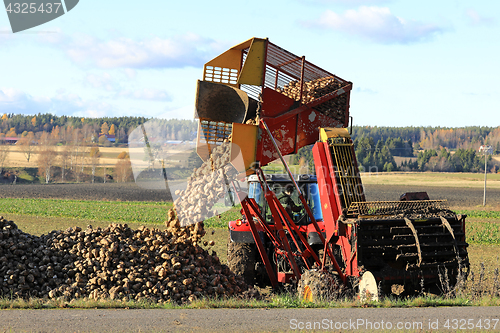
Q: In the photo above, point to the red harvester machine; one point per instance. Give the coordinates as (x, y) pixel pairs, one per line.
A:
(270, 103)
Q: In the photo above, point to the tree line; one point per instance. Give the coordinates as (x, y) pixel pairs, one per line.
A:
(67, 148)
(77, 160)
(434, 137)
(426, 149)
(18, 126)
(421, 148)
(462, 160)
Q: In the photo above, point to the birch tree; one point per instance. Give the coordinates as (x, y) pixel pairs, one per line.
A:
(4, 153)
(95, 156)
(46, 157)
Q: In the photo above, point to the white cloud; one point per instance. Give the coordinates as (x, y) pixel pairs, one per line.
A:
(156, 52)
(377, 24)
(9, 95)
(104, 81)
(5, 35)
(130, 73)
(476, 19)
(52, 37)
(147, 94)
(14, 101)
(183, 112)
(17, 101)
(101, 81)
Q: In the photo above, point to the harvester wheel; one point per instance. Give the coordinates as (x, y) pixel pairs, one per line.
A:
(316, 285)
(368, 289)
(241, 260)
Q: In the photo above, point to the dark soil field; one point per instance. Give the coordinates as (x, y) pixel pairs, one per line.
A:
(105, 192)
(457, 197)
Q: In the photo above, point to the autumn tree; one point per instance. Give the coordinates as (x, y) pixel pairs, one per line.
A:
(11, 132)
(66, 134)
(28, 145)
(95, 156)
(46, 157)
(65, 160)
(105, 128)
(123, 155)
(103, 141)
(121, 136)
(112, 130)
(123, 168)
(77, 153)
(55, 133)
(4, 153)
(87, 133)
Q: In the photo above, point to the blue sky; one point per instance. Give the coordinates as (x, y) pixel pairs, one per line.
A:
(412, 63)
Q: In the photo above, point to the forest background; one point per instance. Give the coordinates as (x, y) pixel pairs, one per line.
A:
(70, 149)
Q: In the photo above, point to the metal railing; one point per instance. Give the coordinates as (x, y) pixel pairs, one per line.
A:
(391, 208)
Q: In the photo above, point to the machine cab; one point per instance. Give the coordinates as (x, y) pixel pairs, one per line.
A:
(278, 183)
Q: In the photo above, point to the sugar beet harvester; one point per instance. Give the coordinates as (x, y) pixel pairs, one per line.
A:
(269, 103)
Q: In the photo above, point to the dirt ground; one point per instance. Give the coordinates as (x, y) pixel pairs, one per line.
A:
(106, 192)
(457, 197)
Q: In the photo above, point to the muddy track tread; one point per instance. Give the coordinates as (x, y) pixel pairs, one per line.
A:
(241, 259)
(323, 285)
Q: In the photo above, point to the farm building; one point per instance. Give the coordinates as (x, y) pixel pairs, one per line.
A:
(9, 140)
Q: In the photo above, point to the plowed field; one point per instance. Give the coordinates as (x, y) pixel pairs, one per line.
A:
(457, 197)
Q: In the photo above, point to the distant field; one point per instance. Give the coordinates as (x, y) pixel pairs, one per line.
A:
(443, 179)
(17, 159)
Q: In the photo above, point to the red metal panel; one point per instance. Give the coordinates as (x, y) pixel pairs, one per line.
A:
(290, 132)
(272, 201)
(349, 254)
(284, 133)
(285, 277)
(309, 122)
(258, 242)
(275, 103)
(329, 196)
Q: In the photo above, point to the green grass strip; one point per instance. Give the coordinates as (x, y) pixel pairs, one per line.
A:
(482, 232)
(287, 301)
(156, 212)
(480, 214)
(105, 211)
(112, 211)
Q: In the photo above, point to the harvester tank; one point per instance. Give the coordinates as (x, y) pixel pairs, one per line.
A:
(257, 81)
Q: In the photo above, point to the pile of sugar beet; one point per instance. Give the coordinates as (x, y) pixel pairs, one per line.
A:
(120, 263)
(115, 262)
